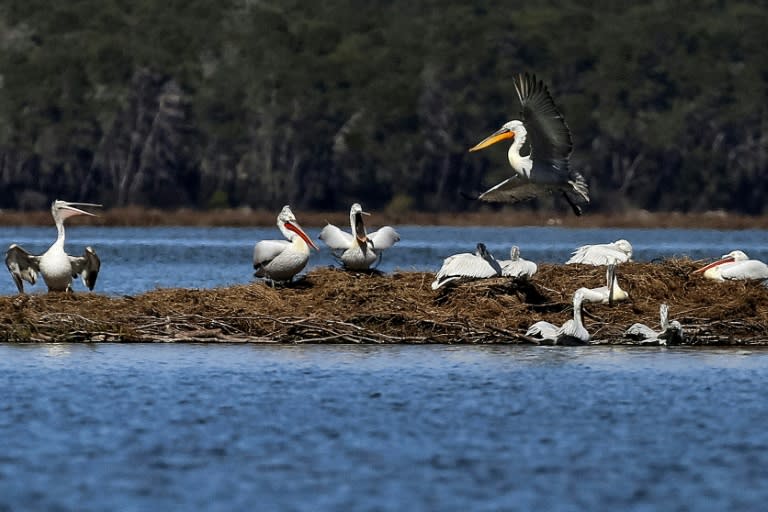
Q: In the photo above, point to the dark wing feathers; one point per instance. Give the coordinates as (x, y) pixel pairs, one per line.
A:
(512, 190)
(548, 134)
(86, 266)
(22, 265)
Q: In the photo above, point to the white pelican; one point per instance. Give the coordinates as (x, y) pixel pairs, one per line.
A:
(671, 332)
(571, 331)
(359, 250)
(607, 294)
(280, 260)
(617, 252)
(480, 265)
(545, 167)
(735, 265)
(57, 267)
(516, 266)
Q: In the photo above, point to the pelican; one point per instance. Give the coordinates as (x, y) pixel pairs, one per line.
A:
(607, 294)
(480, 265)
(280, 260)
(671, 332)
(545, 168)
(359, 250)
(516, 266)
(735, 265)
(617, 252)
(56, 266)
(571, 331)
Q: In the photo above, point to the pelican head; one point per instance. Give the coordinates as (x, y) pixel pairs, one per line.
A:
(624, 246)
(514, 253)
(63, 209)
(510, 130)
(286, 223)
(725, 258)
(356, 223)
(482, 251)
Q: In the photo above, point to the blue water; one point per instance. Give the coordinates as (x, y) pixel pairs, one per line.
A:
(243, 427)
(135, 260)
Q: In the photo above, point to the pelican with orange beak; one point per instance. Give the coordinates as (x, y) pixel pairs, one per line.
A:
(734, 266)
(545, 138)
(280, 260)
(359, 250)
(56, 266)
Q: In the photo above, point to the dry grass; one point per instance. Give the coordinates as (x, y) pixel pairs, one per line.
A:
(333, 306)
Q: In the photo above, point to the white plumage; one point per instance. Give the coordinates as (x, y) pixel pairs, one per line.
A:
(280, 260)
(516, 266)
(571, 331)
(735, 265)
(617, 252)
(479, 265)
(671, 332)
(359, 250)
(607, 294)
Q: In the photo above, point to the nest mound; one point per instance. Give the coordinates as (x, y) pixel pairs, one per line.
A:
(333, 306)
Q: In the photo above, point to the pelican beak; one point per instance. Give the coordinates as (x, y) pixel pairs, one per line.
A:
(297, 229)
(500, 135)
(71, 209)
(727, 259)
(360, 228)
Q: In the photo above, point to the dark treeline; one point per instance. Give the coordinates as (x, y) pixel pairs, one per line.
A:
(319, 104)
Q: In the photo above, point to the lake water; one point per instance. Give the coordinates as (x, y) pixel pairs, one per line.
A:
(244, 427)
(135, 260)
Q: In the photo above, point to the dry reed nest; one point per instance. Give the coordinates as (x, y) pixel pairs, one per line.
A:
(334, 306)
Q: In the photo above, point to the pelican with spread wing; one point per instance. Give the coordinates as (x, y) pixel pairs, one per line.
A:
(545, 139)
(735, 266)
(280, 260)
(466, 266)
(359, 250)
(56, 266)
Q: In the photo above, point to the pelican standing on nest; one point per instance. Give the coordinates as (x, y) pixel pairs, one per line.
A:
(480, 265)
(516, 266)
(546, 139)
(614, 253)
(56, 266)
(280, 260)
(359, 250)
(671, 332)
(572, 331)
(735, 265)
(607, 294)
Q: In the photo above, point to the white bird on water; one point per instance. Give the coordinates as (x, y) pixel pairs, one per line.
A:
(56, 266)
(359, 250)
(617, 252)
(671, 332)
(516, 266)
(607, 294)
(480, 265)
(572, 331)
(546, 139)
(735, 265)
(280, 260)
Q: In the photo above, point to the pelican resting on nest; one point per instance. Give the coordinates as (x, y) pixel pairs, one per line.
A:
(280, 260)
(56, 266)
(607, 294)
(617, 252)
(466, 266)
(516, 266)
(671, 332)
(359, 250)
(571, 332)
(545, 139)
(735, 265)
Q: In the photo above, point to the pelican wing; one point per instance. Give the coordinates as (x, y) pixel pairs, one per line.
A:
(86, 266)
(543, 330)
(640, 332)
(548, 134)
(518, 269)
(22, 265)
(750, 269)
(335, 238)
(464, 265)
(267, 250)
(598, 255)
(512, 190)
(383, 238)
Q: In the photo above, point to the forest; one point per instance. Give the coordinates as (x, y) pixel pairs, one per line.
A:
(261, 103)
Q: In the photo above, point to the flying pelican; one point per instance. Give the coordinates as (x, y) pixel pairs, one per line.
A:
(571, 331)
(57, 267)
(280, 260)
(671, 332)
(359, 250)
(516, 266)
(545, 168)
(607, 294)
(735, 265)
(617, 252)
(480, 265)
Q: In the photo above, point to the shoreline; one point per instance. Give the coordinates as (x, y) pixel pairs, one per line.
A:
(334, 306)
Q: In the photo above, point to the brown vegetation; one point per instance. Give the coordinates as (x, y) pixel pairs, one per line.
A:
(333, 306)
